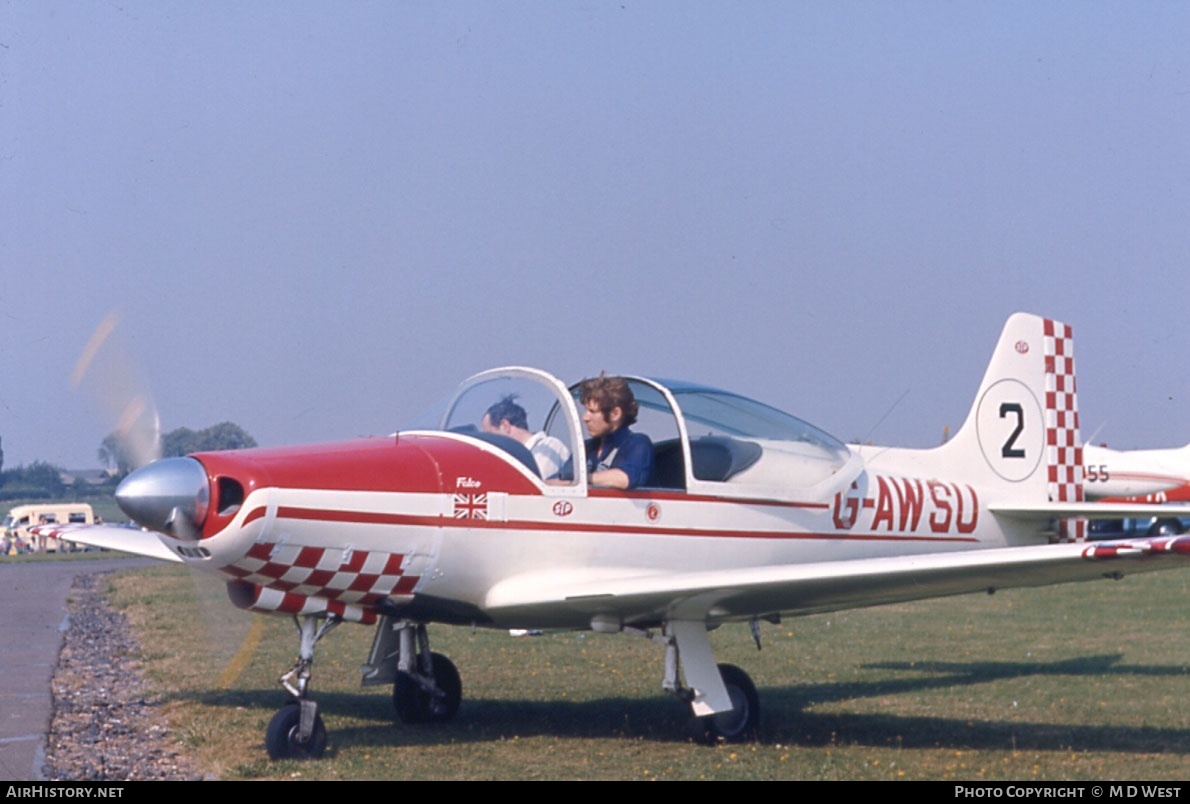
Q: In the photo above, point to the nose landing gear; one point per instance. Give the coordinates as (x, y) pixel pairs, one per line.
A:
(286, 738)
(297, 730)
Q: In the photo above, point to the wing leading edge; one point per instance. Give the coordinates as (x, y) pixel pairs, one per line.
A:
(112, 537)
(1090, 510)
(798, 589)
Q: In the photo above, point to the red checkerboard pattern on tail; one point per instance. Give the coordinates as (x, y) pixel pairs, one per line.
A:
(1064, 453)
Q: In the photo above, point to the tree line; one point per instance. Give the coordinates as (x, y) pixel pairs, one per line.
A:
(181, 441)
(43, 480)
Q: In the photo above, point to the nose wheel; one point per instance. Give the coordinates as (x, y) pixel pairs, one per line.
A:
(285, 738)
(297, 730)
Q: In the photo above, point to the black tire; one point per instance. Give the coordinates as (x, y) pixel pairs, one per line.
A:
(281, 738)
(415, 705)
(742, 722)
(1167, 526)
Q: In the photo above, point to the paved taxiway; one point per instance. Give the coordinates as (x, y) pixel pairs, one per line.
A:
(33, 618)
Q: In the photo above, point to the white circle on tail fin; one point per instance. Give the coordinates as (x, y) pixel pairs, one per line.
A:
(1011, 430)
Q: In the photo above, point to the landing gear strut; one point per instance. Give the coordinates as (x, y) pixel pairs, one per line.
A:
(297, 731)
(428, 697)
(426, 685)
(722, 697)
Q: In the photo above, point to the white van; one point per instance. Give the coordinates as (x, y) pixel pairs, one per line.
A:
(23, 517)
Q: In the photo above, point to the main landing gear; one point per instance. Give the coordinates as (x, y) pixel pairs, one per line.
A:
(737, 725)
(721, 696)
(297, 731)
(426, 685)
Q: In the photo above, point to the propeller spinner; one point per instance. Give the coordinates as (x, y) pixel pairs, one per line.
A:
(171, 496)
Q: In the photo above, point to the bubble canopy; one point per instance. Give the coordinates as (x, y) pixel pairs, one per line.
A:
(704, 439)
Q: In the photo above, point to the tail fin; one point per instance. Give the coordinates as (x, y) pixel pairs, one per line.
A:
(1025, 417)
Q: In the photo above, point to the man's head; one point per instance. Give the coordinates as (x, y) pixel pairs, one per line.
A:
(505, 416)
(609, 405)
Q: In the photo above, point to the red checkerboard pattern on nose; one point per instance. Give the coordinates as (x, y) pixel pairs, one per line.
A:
(347, 576)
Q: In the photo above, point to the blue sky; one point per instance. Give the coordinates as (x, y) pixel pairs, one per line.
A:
(318, 217)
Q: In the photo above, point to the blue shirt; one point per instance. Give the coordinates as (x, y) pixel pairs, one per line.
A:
(631, 453)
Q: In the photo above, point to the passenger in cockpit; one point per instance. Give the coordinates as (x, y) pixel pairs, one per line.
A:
(508, 418)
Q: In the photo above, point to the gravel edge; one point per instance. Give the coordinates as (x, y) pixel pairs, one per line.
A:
(104, 726)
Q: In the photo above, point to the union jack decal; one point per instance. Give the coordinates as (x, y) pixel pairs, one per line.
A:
(471, 506)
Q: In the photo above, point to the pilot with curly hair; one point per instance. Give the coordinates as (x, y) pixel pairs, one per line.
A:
(616, 457)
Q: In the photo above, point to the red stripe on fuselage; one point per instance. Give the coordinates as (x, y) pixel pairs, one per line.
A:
(366, 517)
(678, 495)
(654, 530)
(357, 517)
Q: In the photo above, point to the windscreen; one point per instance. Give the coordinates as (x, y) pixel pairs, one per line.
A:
(742, 441)
(510, 412)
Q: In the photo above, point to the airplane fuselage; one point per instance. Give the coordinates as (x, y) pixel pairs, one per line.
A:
(432, 523)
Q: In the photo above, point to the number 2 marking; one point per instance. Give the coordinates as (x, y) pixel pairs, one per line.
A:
(1010, 450)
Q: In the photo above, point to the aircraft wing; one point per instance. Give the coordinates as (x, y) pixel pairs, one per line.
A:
(113, 537)
(648, 598)
(1091, 510)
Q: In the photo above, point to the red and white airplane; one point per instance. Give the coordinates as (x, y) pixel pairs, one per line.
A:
(1140, 475)
(750, 515)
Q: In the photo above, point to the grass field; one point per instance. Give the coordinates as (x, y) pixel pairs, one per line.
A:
(1084, 681)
